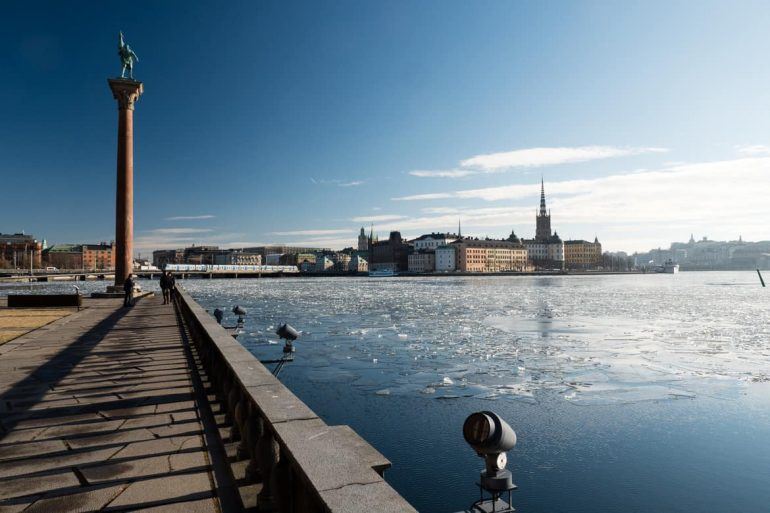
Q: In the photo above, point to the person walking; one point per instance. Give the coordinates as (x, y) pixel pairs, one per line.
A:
(171, 286)
(128, 289)
(164, 287)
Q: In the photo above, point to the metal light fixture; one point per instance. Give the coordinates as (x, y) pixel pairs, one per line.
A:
(491, 437)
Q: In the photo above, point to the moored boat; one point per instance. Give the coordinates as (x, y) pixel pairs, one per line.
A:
(668, 267)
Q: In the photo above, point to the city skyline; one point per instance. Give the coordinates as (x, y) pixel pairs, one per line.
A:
(260, 126)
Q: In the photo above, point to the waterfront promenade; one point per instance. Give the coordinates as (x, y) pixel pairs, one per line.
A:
(99, 411)
(112, 409)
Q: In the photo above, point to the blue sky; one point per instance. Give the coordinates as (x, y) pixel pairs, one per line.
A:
(299, 122)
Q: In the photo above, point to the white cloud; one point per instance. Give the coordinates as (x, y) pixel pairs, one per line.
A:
(163, 238)
(726, 197)
(450, 173)
(420, 197)
(323, 242)
(338, 183)
(377, 218)
(538, 157)
(753, 150)
(312, 232)
(532, 157)
(440, 210)
(179, 231)
(189, 218)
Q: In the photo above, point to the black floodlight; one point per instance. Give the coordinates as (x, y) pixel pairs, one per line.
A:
(287, 332)
(219, 314)
(237, 310)
(487, 433)
(490, 436)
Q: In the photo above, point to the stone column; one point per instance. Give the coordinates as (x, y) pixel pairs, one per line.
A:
(126, 92)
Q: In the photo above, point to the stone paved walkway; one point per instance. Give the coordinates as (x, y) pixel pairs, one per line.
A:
(98, 411)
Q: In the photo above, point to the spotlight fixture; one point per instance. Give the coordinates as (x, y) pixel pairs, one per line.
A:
(491, 437)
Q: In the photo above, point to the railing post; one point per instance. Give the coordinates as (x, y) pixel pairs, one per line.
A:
(250, 439)
(282, 484)
(233, 405)
(267, 450)
(228, 388)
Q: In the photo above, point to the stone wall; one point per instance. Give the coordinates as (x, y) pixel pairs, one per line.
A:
(303, 463)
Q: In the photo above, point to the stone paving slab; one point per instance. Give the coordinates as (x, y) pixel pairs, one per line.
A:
(98, 412)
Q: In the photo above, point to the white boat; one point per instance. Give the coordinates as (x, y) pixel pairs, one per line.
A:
(382, 273)
(668, 267)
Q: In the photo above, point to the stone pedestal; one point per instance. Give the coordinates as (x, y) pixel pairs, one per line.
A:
(126, 92)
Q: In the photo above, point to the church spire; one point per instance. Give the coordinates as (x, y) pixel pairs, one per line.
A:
(543, 218)
(459, 230)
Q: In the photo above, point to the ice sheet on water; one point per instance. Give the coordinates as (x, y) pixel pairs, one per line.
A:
(593, 340)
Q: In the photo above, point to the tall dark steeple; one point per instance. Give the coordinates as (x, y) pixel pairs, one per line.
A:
(543, 219)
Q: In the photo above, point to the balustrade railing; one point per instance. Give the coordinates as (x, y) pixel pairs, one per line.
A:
(303, 464)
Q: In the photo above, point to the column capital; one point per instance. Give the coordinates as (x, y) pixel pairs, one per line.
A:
(125, 91)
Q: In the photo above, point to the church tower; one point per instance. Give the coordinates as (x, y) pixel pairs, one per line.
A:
(363, 241)
(543, 218)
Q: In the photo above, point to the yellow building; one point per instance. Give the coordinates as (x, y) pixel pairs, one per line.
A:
(581, 254)
(490, 256)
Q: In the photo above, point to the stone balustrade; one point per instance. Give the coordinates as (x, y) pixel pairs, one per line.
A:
(304, 464)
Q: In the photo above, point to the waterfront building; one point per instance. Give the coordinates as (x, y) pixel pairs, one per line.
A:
(64, 256)
(91, 257)
(363, 241)
(341, 261)
(358, 264)
(581, 254)
(305, 257)
(546, 250)
(391, 254)
(446, 258)
(282, 249)
(323, 264)
(273, 259)
(707, 254)
(490, 256)
(237, 257)
(18, 250)
(422, 261)
(296, 258)
(546, 254)
(201, 255)
(98, 257)
(161, 257)
(431, 241)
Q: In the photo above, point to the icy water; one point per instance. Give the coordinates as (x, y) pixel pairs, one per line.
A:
(628, 393)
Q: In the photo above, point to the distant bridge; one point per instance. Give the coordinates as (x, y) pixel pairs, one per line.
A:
(41, 275)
